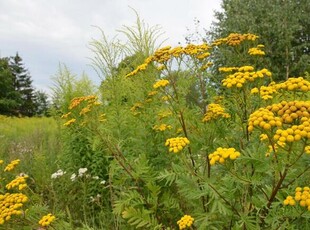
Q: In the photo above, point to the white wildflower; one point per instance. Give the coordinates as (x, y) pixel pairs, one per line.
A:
(57, 174)
(82, 171)
(73, 177)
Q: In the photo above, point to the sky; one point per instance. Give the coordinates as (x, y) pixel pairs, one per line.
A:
(48, 33)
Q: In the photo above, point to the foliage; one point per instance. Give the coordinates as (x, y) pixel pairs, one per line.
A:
(283, 27)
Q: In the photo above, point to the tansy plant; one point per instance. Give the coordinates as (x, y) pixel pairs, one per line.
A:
(14, 199)
(241, 141)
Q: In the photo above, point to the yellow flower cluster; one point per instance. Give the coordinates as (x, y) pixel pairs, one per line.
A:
(214, 111)
(47, 220)
(257, 50)
(176, 144)
(265, 92)
(302, 195)
(263, 118)
(136, 107)
(206, 66)
(161, 83)
(11, 165)
(78, 100)
(19, 181)
(292, 84)
(152, 93)
(162, 127)
(71, 121)
(295, 115)
(185, 221)
(164, 54)
(102, 117)
(244, 74)
(163, 114)
(91, 100)
(10, 204)
(235, 39)
(221, 154)
(295, 84)
(307, 149)
(289, 201)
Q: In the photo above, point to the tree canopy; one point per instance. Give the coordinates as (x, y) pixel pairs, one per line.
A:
(282, 25)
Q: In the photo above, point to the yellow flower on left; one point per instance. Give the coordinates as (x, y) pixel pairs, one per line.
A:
(11, 165)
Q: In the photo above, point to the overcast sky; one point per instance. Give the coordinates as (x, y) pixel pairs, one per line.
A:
(48, 32)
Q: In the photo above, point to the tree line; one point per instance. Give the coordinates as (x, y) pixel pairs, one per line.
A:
(18, 97)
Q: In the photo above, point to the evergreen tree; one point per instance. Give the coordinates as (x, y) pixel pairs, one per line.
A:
(283, 27)
(8, 95)
(41, 102)
(23, 85)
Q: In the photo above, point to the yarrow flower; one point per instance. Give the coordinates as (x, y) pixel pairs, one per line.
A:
(82, 171)
(47, 220)
(176, 144)
(57, 174)
(73, 177)
(185, 221)
(221, 154)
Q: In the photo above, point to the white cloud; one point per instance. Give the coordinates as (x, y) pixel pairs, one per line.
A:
(46, 33)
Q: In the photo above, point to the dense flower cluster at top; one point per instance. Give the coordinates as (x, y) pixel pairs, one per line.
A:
(91, 101)
(47, 220)
(162, 127)
(176, 144)
(164, 54)
(10, 204)
(292, 84)
(302, 195)
(185, 221)
(11, 165)
(221, 154)
(257, 50)
(214, 111)
(242, 75)
(292, 120)
(160, 83)
(19, 181)
(235, 39)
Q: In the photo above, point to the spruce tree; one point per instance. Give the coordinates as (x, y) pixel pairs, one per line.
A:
(9, 97)
(23, 85)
